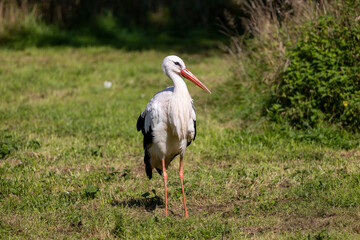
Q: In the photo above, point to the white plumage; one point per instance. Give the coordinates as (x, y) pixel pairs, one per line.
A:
(168, 122)
(172, 126)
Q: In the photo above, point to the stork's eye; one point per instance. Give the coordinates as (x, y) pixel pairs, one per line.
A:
(177, 63)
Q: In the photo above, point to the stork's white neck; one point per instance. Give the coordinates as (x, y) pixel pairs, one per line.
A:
(179, 107)
(180, 87)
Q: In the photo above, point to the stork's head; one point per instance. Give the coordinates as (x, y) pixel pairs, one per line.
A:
(175, 64)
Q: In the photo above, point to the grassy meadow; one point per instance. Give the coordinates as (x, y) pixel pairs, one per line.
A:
(71, 160)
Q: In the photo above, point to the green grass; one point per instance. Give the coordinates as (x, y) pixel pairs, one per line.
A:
(71, 160)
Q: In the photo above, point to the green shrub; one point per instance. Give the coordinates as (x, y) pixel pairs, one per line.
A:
(322, 81)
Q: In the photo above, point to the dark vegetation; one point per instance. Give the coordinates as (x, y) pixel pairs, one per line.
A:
(133, 25)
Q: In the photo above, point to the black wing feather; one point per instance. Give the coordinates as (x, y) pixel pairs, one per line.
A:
(140, 125)
(194, 134)
(194, 128)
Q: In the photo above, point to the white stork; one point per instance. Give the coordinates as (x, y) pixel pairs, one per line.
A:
(168, 122)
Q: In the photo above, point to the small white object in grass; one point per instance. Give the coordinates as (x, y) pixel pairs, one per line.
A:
(67, 192)
(107, 84)
(142, 95)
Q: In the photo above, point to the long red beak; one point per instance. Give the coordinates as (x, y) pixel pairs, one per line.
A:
(187, 74)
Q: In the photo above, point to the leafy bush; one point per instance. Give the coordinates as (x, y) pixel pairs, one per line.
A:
(322, 81)
(271, 27)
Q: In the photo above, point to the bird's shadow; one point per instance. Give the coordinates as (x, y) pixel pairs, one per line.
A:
(150, 204)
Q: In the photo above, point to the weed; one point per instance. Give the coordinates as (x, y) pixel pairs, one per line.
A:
(90, 191)
(8, 144)
(119, 227)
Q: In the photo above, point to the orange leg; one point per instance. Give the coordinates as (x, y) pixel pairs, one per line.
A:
(165, 180)
(181, 175)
